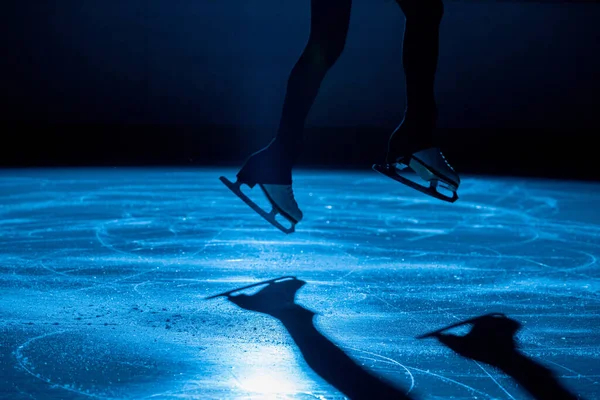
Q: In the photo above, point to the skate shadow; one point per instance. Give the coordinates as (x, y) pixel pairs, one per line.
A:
(326, 359)
(491, 340)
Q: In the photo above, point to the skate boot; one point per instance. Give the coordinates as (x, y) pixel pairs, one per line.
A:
(418, 156)
(269, 169)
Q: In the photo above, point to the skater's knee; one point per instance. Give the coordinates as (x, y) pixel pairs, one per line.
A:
(423, 12)
(322, 56)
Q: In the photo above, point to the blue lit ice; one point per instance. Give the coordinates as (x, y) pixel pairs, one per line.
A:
(104, 274)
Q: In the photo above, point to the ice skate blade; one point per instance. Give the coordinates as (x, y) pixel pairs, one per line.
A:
(390, 171)
(268, 216)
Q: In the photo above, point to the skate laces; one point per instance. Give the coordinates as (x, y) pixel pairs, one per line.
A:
(446, 161)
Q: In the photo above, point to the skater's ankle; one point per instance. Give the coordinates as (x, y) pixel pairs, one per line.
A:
(404, 144)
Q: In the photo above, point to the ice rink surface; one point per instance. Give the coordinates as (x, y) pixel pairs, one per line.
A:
(104, 275)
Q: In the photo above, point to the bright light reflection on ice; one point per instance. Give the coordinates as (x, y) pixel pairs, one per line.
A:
(269, 370)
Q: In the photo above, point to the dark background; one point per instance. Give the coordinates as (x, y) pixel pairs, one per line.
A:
(201, 82)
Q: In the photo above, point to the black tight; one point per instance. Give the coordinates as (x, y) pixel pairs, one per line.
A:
(329, 27)
(420, 54)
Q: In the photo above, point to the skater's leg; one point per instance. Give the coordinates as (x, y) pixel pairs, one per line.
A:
(271, 167)
(420, 60)
(412, 144)
(420, 54)
(328, 31)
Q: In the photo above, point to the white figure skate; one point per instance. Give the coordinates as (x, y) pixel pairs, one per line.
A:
(281, 198)
(429, 165)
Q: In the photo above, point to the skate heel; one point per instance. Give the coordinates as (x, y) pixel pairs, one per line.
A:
(237, 185)
(242, 179)
(241, 182)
